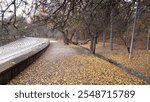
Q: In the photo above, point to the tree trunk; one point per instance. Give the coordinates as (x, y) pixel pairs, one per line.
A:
(85, 36)
(72, 35)
(127, 44)
(104, 39)
(94, 44)
(133, 32)
(66, 40)
(91, 46)
(148, 40)
(111, 30)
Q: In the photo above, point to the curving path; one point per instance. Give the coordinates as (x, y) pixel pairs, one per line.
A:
(63, 64)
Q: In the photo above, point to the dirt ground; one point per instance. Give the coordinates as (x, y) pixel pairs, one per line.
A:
(72, 65)
(140, 58)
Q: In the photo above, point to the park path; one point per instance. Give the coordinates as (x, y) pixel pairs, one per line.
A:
(70, 64)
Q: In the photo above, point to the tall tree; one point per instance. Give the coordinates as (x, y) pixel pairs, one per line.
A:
(104, 38)
(111, 30)
(133, 31)
(148, 39)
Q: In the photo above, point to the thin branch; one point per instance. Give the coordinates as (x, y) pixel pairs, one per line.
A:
(15, 9)
(3, 12)
(60, 7)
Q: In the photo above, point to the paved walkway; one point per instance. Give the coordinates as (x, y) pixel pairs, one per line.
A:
(62, 64)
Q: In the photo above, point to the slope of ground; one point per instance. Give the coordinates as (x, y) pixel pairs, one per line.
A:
(140, 59)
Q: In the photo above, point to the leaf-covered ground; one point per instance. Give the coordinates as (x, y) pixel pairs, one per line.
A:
(140, 58)
(62, 64)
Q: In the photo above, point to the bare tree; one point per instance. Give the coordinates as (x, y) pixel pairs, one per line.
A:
(92, 17)
(134, 27)
(148, 39)
(104, 38)
(111, 31)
